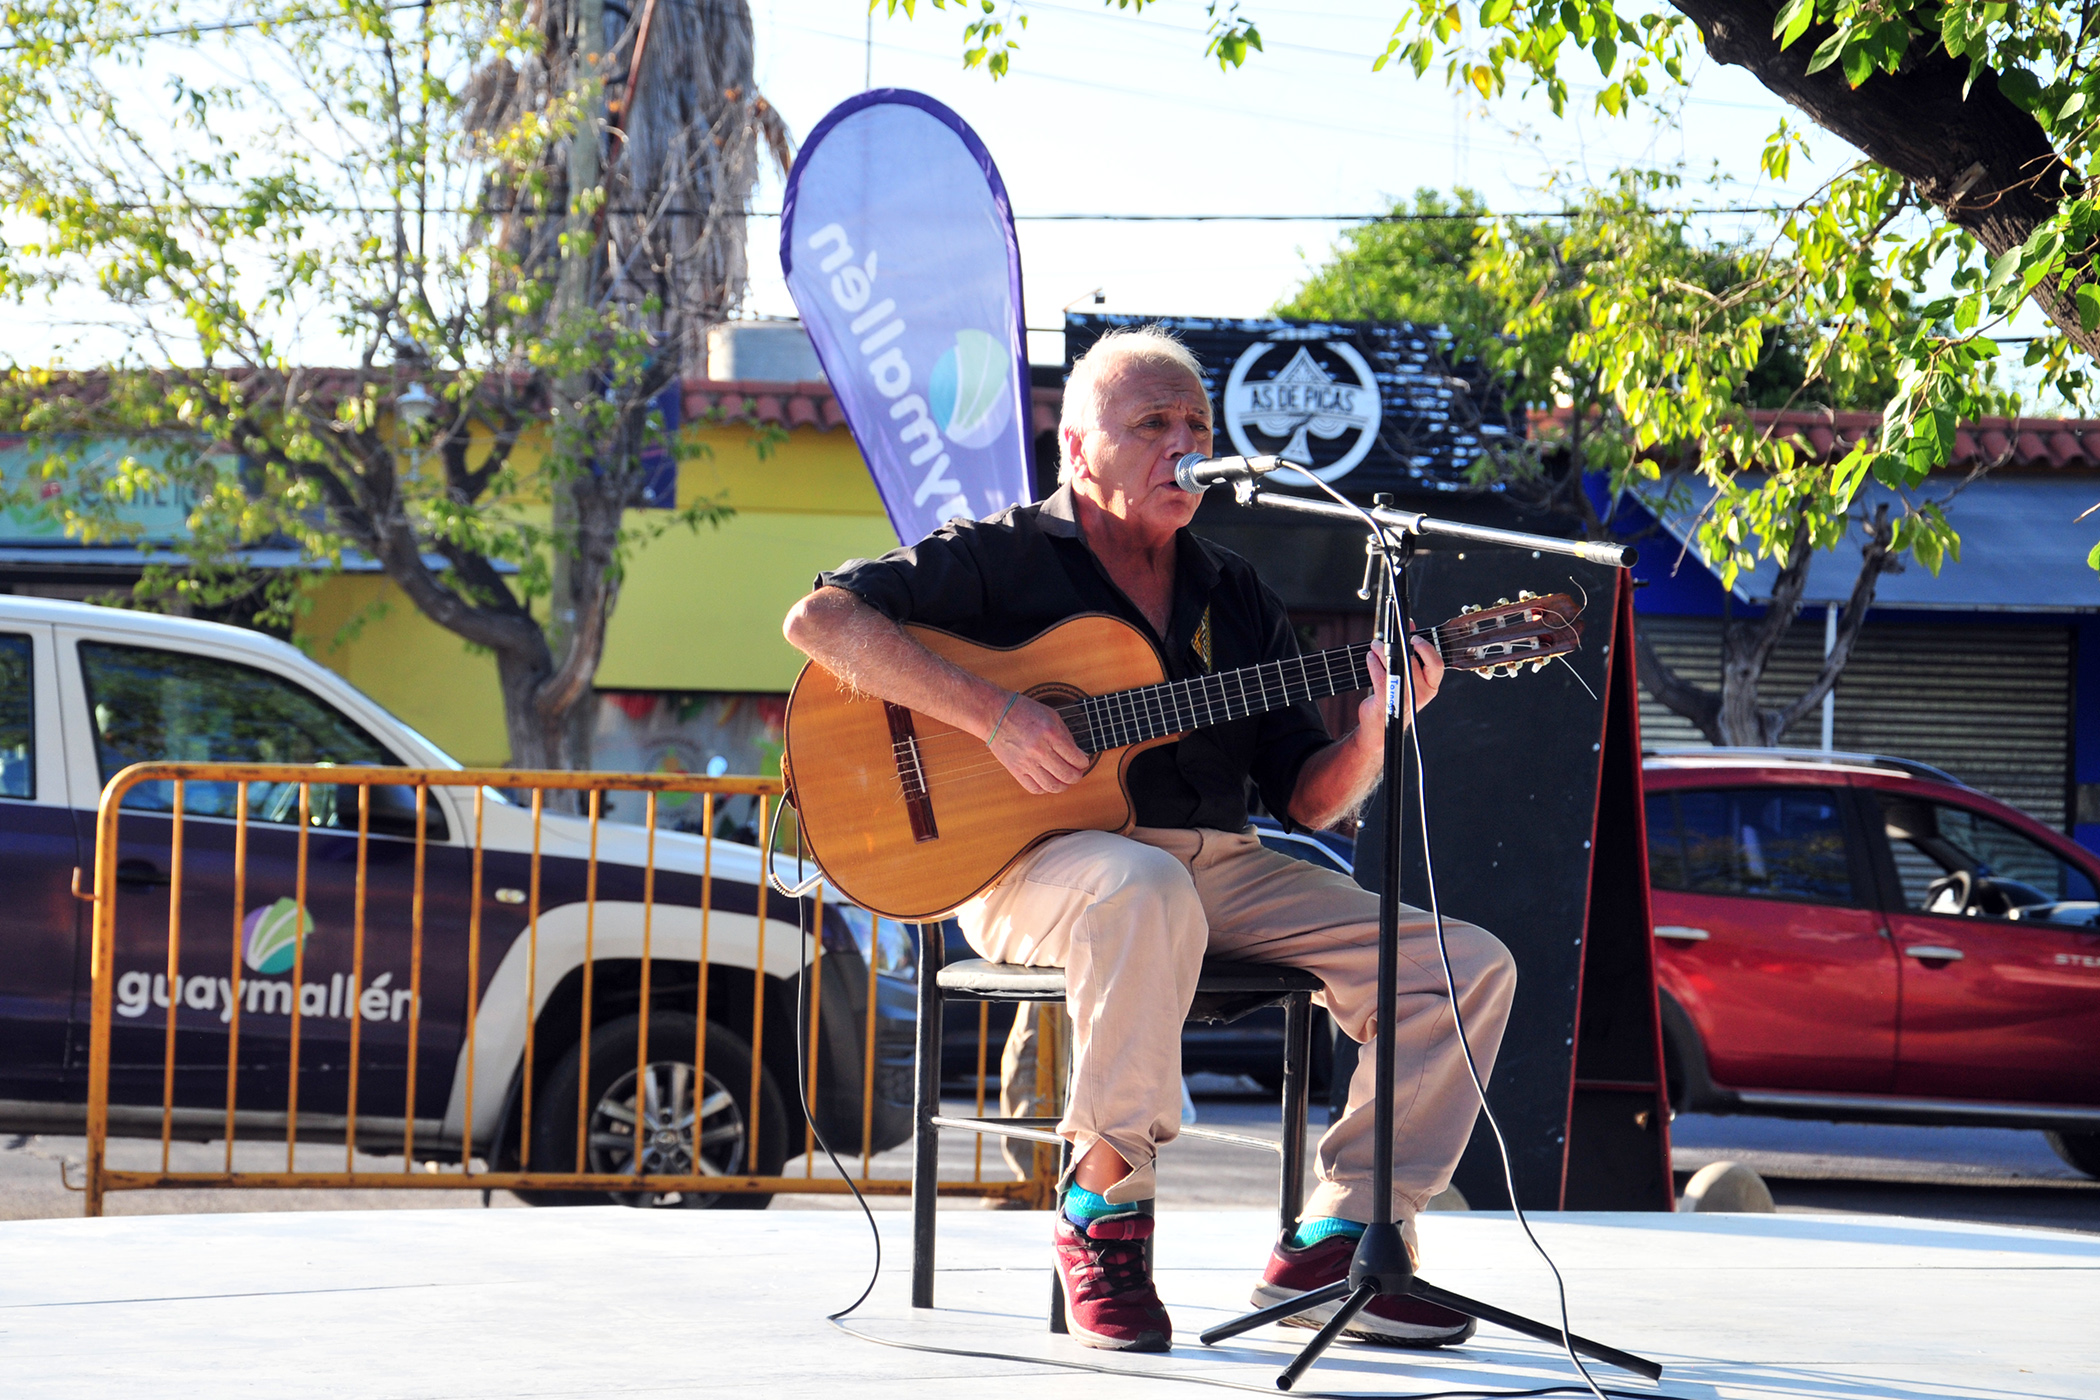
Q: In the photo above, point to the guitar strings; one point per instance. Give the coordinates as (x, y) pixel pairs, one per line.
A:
(1448, 649)
(983, 762)
(1271, 696)
(915, 779)
(1190, 697)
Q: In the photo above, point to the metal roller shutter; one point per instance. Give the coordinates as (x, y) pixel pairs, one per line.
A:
(1989, 703)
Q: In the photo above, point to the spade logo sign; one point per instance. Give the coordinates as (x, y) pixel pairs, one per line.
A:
(1281, 395)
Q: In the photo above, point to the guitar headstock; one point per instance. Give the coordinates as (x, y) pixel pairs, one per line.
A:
(1499, 640)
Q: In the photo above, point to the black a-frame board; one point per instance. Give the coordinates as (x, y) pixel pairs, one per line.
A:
(1535, 819)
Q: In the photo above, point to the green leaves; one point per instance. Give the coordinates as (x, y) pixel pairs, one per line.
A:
(1793, 21)
(1827, 52)
(2020, 87)
(2088, 298)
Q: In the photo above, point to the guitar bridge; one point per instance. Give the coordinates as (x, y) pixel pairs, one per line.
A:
(911, 773)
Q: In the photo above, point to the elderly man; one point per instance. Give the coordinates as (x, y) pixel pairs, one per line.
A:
(1130, 916)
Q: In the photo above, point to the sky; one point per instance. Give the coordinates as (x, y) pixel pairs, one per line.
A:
(1110, 113)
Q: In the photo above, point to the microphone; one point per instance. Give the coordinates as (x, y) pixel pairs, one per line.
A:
(1197, 473)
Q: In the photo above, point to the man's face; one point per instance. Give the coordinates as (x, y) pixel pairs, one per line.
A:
(1151, 417)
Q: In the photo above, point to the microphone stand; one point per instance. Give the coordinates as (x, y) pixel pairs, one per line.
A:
(1381, 1264)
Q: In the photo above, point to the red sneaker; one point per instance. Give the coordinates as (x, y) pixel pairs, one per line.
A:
(1387, 1321)
(1109, 1299)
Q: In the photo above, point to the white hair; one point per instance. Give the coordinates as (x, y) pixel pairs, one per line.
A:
(1152, 345)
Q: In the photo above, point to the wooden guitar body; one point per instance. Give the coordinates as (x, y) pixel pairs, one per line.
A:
(914, 853)
(911, 818)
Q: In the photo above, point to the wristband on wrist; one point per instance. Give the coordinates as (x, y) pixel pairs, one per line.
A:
(1011, 701)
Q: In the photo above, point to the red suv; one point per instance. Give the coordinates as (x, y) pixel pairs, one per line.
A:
(1851, 937)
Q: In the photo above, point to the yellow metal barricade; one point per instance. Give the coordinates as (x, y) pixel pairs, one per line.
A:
(270, 938)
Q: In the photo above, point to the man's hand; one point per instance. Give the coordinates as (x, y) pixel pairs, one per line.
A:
(1037, 749)
(1336, 779)
(1428, 678)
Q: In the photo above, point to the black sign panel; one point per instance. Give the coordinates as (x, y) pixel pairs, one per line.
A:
(1369, 406)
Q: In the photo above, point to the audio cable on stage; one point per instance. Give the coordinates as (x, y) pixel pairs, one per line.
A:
(1400, 647)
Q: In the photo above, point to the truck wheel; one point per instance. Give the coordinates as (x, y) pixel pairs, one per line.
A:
(2081, 1150)
(666, 1105)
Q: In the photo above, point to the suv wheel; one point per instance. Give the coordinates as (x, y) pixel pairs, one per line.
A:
(663, 1096)
(2081, 1150)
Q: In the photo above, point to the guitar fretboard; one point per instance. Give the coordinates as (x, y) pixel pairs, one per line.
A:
(1102, 722)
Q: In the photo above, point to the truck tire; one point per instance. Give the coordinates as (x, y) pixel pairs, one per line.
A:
(725, 1144)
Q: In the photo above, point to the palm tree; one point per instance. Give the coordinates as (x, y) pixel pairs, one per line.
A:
(637, 219)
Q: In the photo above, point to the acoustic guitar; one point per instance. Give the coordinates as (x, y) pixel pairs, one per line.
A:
(910, 817)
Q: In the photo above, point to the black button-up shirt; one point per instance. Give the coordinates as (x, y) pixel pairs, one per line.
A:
(1001, 581)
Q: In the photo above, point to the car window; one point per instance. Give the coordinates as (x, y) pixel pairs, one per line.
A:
(1665, 843)
(148, 704)
(2010, 875)
(1775, 843)
(17, 717)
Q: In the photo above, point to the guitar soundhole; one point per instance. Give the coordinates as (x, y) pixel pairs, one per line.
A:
(1057, 696)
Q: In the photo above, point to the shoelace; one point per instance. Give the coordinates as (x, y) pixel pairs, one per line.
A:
(1115, 1266)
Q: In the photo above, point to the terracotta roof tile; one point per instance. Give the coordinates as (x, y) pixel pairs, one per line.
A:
(2024, 444)
(812, 405)
(762, 404)
(2027, 444)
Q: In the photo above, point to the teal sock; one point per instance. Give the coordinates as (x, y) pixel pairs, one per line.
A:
(1320, 1227)
(1083, 1207)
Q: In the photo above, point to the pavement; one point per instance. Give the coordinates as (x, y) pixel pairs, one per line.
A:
(559, 1303)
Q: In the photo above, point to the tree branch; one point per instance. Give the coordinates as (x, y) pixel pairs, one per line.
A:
(1876, 559)
(1985, 164)
(1674, 692)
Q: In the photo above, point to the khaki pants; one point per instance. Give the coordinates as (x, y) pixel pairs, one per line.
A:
(1130, 919)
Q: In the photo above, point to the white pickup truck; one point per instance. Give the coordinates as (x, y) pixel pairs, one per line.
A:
(86, 691)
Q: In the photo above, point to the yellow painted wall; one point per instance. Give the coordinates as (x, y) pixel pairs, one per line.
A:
(703, 612)
(409, 664)
(699, 611)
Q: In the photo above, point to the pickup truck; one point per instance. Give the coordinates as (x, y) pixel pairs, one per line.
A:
(86, 691)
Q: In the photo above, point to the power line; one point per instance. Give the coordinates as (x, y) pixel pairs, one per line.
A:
(218, 27)
(1392, 217)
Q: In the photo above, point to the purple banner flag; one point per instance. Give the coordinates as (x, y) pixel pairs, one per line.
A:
(899, 250)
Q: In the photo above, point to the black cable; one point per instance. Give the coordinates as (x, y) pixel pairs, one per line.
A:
(1458, 1021)
(1589, 1386)
(1397, 623)
(228, 26)
(802, 1002)
(1096, 1368)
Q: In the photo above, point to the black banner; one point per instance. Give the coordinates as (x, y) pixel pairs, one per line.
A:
(1369, 406)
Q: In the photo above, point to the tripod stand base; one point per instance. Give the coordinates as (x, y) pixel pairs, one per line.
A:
(1360, 1297)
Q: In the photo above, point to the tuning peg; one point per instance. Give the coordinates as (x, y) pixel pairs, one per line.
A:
(1538, 666)
(1526, 596)
(1502, 602)
(1469, 608)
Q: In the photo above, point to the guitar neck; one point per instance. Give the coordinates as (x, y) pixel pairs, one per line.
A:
(1148, 712)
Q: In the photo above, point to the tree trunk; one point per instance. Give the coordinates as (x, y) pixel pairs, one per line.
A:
(1981, 161)
(1733, 717)
(1676, 694)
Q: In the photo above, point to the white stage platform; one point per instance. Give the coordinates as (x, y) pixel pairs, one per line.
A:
(608, 1302)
